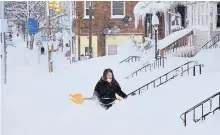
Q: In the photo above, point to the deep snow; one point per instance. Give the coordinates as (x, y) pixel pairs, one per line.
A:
(35, 102)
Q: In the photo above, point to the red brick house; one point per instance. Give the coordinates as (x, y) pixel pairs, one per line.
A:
(106, 14)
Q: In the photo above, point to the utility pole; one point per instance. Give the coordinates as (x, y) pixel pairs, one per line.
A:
(90, 29)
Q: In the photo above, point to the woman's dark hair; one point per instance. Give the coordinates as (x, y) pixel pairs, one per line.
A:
(106, 71)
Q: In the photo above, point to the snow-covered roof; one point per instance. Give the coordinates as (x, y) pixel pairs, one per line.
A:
(142, 8)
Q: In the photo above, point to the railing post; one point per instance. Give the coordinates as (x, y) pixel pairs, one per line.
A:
(194, 115)
(184, 119)
(160, 80)
(160, 60)
(210, 104)
(158, 63)
(188, 67)
(163, 62)
(194, 71)
(200, 69)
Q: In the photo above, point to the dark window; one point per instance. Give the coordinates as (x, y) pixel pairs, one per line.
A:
(117, 7)
(148, 25)
(218, 15)
(87, 7)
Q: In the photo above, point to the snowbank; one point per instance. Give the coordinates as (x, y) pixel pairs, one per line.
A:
(35, 102)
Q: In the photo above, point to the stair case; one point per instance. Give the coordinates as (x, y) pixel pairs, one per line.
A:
(173, 47)
(148, 67)
(131, 59)
(212, 43)
(203, 115)
(191, 65)
(186, 40)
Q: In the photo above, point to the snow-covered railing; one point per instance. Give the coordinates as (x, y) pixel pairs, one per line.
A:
(181, 41)
(212, 43)
(131, 59)
(167, 77)
(212, 109)
(159, 62)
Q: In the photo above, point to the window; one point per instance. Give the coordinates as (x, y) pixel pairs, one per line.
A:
(87, 4)
(118, 9)
(218, 15)
(148, 26)
(112, 49)
(202, 10)
(87, 53)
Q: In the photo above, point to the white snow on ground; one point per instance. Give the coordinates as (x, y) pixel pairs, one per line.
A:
(35, 102)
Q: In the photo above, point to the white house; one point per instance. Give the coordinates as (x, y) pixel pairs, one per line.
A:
(203, 17)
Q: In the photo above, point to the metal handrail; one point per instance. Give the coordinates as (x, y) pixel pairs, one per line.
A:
(159, 78)
(156, 62)
(201, 104)
(205, 45)
(129, 58)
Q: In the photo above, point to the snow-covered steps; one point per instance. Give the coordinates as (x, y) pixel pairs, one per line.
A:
(179, 71)
(176, 40)
(213, 43)
(158, 63)
(213, 104)
(190, 51)
(131, 59)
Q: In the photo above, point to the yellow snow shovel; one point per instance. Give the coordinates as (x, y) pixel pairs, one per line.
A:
(79, 99)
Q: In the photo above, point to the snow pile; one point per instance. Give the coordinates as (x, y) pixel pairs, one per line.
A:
(39, 103)
(129, 48)
(210, 57)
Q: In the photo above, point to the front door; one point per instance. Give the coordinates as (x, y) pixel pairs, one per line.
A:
(182, 10)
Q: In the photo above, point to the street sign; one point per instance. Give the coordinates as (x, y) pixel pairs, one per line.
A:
(44, 38)
(32, 26)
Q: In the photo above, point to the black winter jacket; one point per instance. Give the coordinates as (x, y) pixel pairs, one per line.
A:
(104, 89)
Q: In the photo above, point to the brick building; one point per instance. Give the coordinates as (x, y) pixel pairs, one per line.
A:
(106, 15)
